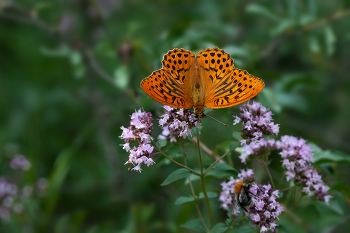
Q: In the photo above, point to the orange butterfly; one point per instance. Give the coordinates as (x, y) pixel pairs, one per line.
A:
(206, 80)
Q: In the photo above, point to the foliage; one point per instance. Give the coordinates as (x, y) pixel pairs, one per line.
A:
(70, 74)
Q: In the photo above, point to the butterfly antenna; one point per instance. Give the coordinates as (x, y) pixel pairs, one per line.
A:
(217, 120)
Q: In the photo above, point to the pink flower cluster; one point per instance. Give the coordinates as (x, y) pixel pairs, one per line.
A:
(227, 194)
(20, 162)
(140, 130)
(12, 195)
(256, 122)
(265, 209)
(247, 176)
(177, 122)
(259, 148)
(297, 159)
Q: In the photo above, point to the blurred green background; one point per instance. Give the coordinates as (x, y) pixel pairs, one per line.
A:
(69, 79)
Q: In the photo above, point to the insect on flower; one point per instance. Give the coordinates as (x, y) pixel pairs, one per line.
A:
(208, 79)
(243, 195)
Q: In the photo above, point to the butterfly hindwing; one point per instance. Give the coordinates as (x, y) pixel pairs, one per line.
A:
(235, 87)
(164, 88)
(208, 80)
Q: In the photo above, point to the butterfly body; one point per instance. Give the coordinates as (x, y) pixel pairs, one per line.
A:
(206, 80)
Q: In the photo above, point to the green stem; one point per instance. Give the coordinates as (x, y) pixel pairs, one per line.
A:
(285, 189)
(268, 172)
(194, 195)
(209, 168)
(202, 183)
(234, 222)
(181, 165)
(279, 184)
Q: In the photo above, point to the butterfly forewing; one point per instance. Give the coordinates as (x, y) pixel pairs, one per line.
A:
(227, 86)
(179, 62)
(209, 80)
(213, 65)
(164, 88)
(234, 88)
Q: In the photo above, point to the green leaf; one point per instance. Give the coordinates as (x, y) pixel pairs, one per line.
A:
(245, 229)
(122, 76)
(161, 143)
(314, 44)
(269, 98)
(62, 51)
(209, 194)
(196, 224)
(235, 51)
(219, 174)
(207, 110)
(176, 175)
(330, 40)
(195, 131)
(341, 186)
(325, 156)
(182, 200)
(219, 228)
(261, 10)
(283, 26)
(223, 166)
(234, 145)
(42, 6)
(237, 135)
(173, 152)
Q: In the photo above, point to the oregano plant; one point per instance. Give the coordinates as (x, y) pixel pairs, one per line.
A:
(257, 139)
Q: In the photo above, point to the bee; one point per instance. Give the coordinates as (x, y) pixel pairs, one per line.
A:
(243, 195)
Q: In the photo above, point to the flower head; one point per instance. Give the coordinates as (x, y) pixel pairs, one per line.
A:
(297, 160)
(140, 130)
(227, 194)
(256, 122)
(20, 162)
(177, 122)
(259, 148)
(265, 209)
(247, 176)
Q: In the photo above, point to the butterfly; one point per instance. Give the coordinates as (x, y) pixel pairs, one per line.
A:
(207, 80)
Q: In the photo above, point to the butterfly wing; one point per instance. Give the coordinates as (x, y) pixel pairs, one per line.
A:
(226, 85)
(169, 85)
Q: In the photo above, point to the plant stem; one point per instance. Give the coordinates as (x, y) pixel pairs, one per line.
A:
(202, 183)
(268, 172)
(181, 165)
(194, 195)
(234, 222)
(285, 189)
(218, 160)
(279, 184)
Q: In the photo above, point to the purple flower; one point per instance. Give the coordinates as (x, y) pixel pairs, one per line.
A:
(227, 194)
(256, 122)
(139, 131)
(20, 162)
(177, 122)
(13, 196)
(247, 176)
(259, 148)
(265, 209)
(297, 160)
